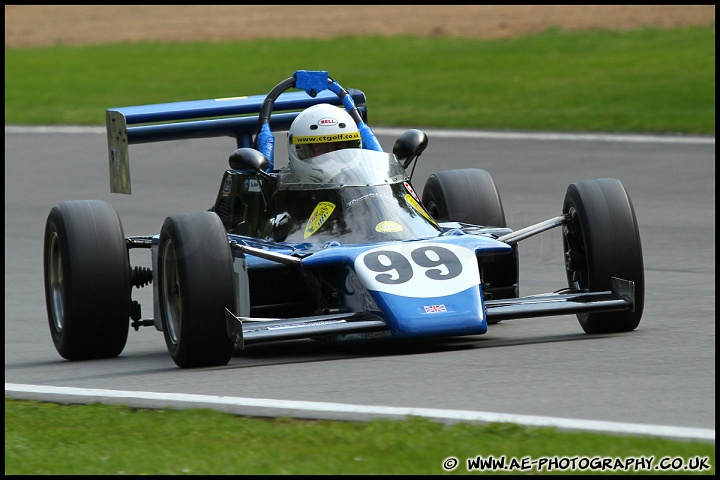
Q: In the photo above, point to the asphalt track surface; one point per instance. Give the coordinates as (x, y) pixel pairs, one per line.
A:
(657, 380)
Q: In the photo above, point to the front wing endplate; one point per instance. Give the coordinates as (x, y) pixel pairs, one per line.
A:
(243, 330)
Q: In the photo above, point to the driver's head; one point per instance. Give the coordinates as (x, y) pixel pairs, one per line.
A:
(320, 129)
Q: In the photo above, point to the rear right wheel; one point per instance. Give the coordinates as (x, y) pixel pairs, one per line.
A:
(87, 280)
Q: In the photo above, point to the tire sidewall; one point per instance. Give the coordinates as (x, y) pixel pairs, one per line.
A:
(606, 218)
(95, 279)
(466, 195)
(203, 261)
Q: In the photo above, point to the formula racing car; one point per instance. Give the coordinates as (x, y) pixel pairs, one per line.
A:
(335, 246)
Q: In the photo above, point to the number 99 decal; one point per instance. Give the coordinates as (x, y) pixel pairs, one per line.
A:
(421, 270)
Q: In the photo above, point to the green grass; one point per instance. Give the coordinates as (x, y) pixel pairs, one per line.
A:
(647, 80)
(47, 438)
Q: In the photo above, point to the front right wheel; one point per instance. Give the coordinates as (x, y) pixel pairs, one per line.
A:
(195, 284)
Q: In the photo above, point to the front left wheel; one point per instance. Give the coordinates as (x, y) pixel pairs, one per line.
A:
(195, 285)
(601, 241)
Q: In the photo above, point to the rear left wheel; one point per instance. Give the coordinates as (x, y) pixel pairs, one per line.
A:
(466, 195)
(87, 280)
(470, 196)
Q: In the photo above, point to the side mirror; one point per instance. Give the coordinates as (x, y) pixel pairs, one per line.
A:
(409, 146)
(249, 159)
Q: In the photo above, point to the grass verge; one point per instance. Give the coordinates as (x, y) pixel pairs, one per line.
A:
(47, 438)
(646, 80)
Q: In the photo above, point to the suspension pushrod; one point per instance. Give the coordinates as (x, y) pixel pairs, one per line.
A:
(526, 232)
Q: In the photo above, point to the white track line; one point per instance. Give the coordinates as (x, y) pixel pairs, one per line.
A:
(198, 401)
(443, 133)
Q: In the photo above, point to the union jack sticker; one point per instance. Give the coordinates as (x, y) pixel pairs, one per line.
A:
(435, 308)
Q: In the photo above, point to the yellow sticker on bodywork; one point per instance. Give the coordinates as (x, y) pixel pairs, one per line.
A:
(322, 212)
(388, 226)
(413, 203)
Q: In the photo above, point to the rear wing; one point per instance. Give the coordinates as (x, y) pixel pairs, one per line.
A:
(235, 117)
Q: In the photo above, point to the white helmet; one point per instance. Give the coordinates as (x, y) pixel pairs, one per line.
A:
(322, 128)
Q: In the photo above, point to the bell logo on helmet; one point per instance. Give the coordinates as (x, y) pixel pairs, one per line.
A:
(327, 121)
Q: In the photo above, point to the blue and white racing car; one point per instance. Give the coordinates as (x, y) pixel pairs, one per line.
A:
(335, 247)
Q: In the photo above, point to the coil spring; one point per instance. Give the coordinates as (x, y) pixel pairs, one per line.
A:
(140, 276)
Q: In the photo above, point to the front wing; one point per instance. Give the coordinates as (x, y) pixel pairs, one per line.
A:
(244, 330)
